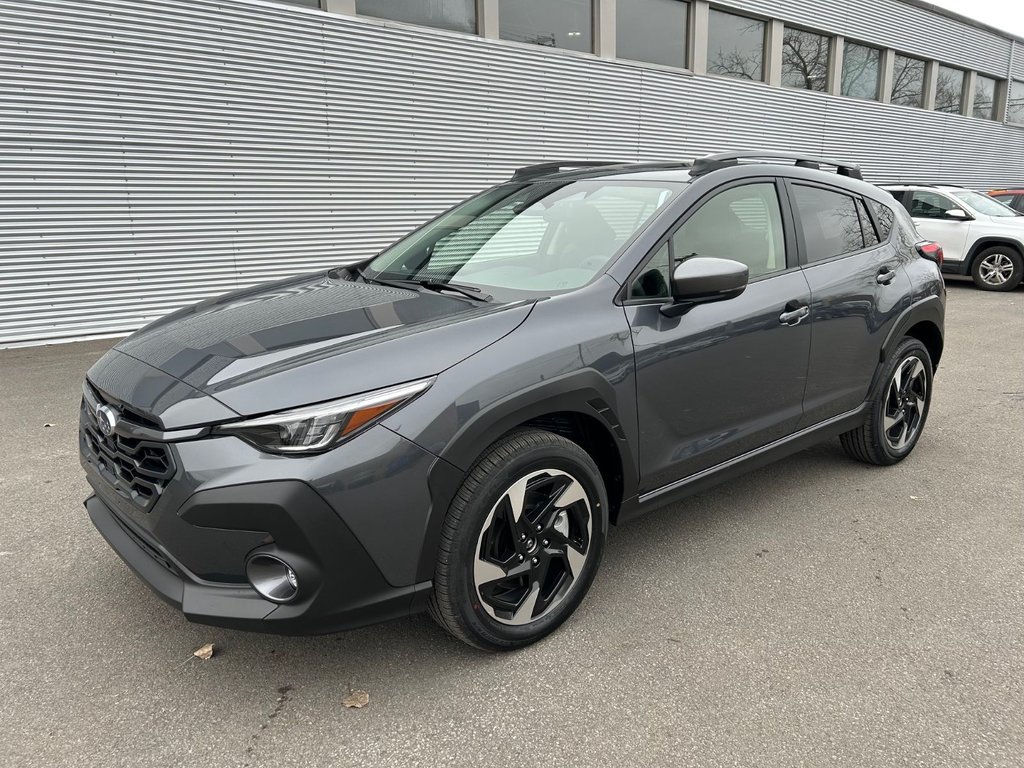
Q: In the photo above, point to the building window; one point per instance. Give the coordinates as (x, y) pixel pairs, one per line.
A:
(652, 30)
(949, 90)
(1015, 109)
(861, 69)
(555, 23)
(907, 81)
(805, 57)
(457, 15)
(984, 98)
(735, 46)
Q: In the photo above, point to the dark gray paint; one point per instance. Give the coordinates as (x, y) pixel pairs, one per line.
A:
(682, 399)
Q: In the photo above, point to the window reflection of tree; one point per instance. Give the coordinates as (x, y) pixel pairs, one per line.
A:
(907, 81)
(984, 97)
(1015, 109)
(860, 71)
(745, 65)
(949, 91)
(805, 60)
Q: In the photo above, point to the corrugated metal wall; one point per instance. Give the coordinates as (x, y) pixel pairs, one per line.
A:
(155, 153)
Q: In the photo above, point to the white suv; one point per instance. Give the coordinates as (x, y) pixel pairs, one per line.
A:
(979, 236)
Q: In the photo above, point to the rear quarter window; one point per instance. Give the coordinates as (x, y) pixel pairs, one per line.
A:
(884, 217)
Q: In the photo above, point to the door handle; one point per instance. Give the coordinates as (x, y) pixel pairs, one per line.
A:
(885, 276)
(793, 317)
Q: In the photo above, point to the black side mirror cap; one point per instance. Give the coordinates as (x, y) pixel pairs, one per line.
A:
(702, 279)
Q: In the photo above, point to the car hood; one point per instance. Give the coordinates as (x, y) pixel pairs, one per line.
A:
(1011, 225)
(315, 338)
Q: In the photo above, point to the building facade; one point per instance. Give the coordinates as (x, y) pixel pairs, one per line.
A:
(157, 152)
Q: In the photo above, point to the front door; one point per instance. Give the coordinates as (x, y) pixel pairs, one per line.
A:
(726, 377)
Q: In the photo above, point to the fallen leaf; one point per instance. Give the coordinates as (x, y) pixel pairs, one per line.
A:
(356, 700)
(914, 498)
(48, 424)
(204, 652)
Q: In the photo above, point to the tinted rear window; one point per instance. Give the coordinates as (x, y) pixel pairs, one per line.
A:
(830, 222)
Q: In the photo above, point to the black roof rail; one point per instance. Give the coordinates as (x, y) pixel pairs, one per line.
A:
(709, 163)
(546, 169)
(543, 169)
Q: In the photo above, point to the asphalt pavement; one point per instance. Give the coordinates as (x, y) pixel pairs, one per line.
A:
(818, 612)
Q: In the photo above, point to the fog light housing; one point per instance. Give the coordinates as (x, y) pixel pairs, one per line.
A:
(272, 577)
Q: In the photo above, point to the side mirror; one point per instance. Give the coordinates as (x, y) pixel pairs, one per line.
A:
(700, 280)
(957, 214)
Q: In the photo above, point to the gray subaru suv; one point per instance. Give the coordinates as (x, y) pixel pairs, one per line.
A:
(453, 425)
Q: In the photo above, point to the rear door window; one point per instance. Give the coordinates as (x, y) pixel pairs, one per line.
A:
(829, 221)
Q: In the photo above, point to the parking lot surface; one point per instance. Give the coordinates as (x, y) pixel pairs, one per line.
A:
(817, 612)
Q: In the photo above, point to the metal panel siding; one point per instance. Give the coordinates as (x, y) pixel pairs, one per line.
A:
(1017, 60)
(154, 154)
(893, 24)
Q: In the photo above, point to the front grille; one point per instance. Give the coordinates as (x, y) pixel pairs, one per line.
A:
(137, 469)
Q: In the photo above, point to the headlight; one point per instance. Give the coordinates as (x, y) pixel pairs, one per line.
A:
(318, 428)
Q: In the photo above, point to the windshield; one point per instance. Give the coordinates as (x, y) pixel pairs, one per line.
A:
(527, 240)
(984, 204)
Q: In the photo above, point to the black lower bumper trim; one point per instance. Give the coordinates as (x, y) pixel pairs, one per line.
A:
(352, 592)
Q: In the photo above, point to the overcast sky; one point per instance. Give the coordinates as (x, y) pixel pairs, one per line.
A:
(1003, 14)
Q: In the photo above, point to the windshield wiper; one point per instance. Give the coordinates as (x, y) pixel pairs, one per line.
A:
(404, 285)
(468, 291)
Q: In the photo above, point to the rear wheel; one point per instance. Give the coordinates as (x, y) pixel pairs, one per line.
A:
(998, 269)
(521, 542)
(897, 410)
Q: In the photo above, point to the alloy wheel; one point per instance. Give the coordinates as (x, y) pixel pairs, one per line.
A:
(995, 269)
(905, 403)
(533, 547)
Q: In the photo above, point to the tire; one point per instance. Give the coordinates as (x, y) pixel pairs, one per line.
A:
(999, 268)
(489, 606)
(880, 439)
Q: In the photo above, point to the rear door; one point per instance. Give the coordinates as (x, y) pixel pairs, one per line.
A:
(928, 210)
(858, 288)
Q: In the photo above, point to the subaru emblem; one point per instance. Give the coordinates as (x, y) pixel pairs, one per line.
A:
(106, 420)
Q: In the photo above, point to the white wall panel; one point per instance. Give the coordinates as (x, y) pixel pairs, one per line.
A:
(154, 153)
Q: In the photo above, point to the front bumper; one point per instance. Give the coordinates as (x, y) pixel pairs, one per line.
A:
(342, 588)
(356, 524)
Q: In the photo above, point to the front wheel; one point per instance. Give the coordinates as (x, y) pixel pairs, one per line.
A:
(998, 269)
(521, 543)
(897, 410)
